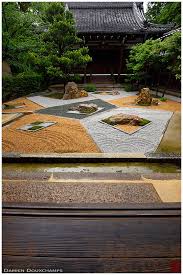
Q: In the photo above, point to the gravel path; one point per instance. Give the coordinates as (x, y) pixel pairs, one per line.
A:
(79, 192)
(111, 140)
(51, 102)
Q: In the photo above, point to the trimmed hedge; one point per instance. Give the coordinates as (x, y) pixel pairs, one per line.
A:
(90, 87)
(20, 85)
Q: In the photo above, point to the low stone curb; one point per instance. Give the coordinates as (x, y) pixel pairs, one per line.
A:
(19, 115)
(92, 158)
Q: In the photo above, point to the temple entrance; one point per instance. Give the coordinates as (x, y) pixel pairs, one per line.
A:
(104, 61)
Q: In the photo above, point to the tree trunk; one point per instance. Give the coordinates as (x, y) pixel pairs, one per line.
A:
(157, 88)
(166, 87)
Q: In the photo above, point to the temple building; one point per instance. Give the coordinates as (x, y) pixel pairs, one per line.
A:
(110, 30)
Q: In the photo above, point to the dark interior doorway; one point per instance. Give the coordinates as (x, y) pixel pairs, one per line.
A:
(104, 62)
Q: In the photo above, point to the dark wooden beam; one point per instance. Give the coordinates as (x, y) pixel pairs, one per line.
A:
(92, 238)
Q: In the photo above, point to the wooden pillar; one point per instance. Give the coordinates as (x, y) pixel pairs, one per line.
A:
(120, 61)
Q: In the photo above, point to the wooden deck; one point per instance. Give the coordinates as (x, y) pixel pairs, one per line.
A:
(92, 238)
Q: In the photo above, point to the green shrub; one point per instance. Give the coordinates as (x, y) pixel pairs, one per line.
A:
(163, 99)
(90, 87)
(20, 85)
(128, 87)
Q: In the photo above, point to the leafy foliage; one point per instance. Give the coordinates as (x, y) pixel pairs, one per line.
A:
(164, 12)
(61, 52)
(20, 85)
(39, 39)
(171, 46)
(21, 34)
(154, 56)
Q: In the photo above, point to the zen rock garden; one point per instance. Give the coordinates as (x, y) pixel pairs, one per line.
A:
(91, 136)
(116, 121)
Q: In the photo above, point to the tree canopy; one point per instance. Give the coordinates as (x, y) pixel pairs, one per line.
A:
(147, 60)
(20, 35)
(62, 50)
(41, 36)
(164, 12)
(157, 55)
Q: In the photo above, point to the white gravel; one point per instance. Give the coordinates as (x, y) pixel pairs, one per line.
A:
(111, 140)
(51, 102)
(121, 94)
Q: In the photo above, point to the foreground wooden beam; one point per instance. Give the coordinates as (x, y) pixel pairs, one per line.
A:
(92, 238)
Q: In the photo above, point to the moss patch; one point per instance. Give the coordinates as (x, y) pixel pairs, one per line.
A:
(8, 107)
(37, 122)
(144, 122)
(107, 120)
(56, 95)
(36, 127)
(141, 123)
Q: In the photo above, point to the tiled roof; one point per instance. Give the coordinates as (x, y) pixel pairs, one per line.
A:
(170, 33)
(114, 17)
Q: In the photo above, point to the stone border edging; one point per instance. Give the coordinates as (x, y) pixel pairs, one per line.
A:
(92, 158)
(19, 115)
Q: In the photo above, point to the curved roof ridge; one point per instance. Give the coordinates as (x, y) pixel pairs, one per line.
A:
(138, 16)
(101, 5)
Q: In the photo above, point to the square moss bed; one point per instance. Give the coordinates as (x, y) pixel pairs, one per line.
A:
(144, 123)
(85, 113)
(36, 126)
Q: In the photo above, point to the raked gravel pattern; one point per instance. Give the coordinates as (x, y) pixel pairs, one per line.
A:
(111, 140)
(51, 102)
(122, 93)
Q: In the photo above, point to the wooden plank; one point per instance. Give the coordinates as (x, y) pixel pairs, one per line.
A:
(91, 236)
(96, 206)
(103, 265)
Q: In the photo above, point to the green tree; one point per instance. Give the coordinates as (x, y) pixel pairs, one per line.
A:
(62, 51)
(155, 56)
(171, 46)
(143, 59)
(164, 12)
(20, 33)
